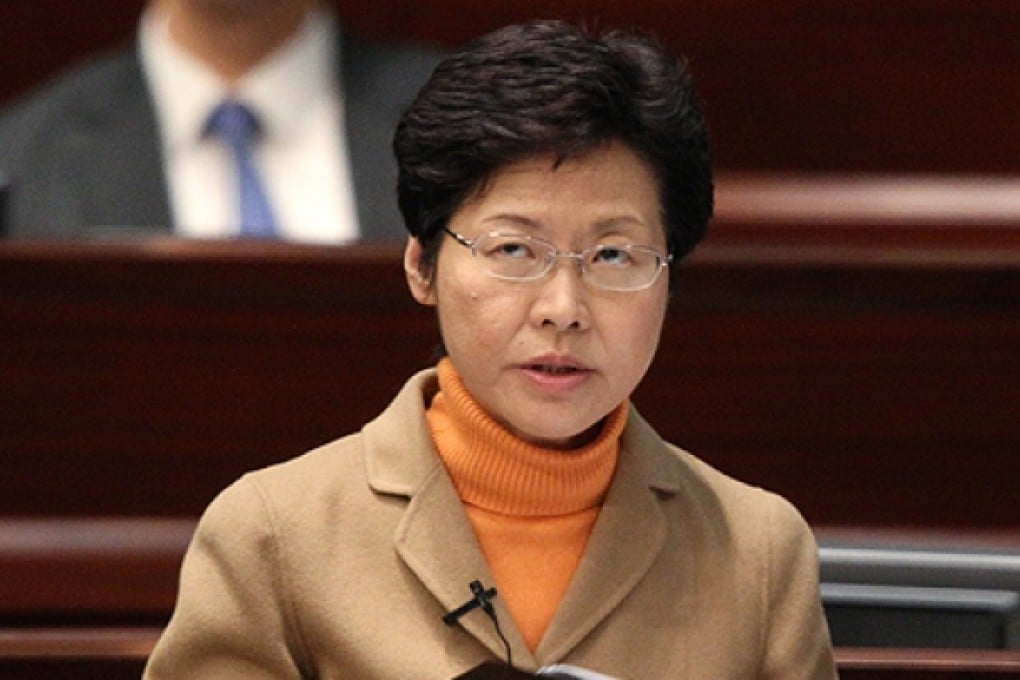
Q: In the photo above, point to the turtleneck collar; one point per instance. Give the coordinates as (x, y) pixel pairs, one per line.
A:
(495, 470)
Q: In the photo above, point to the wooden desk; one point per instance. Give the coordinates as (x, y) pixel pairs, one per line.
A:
(75, 653)
(940, 664)
(140, 379)
(90, 572)
(112, 654)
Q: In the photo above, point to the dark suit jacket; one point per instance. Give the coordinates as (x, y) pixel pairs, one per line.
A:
(83, 155)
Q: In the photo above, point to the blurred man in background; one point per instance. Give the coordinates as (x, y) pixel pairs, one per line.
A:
(228, 118)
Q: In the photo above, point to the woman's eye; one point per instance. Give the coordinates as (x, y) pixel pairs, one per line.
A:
(613, 256)
(512, 250)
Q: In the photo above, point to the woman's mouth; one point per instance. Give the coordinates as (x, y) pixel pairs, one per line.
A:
(556, 375)
(552, 369)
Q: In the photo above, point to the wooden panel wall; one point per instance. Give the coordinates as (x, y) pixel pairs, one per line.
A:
(807, 85)
(42, 37)
(836, 85)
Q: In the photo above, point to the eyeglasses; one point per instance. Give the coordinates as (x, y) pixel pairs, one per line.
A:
(519, 257)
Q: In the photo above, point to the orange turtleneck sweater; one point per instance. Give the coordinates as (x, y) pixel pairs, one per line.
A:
(531, 508)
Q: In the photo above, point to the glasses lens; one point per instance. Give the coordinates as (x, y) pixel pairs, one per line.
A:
(518, 257)
(513, 256)
(626, 267)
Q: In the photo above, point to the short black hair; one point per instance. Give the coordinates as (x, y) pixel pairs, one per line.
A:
(545, 87)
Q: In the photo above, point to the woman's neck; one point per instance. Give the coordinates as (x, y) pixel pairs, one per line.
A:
(494, 469)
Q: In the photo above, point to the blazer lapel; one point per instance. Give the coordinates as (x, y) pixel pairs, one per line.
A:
(446, 562)
(628, 535)
(402, 461)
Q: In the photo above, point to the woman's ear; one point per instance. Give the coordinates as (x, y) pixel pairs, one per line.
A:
(418, 280)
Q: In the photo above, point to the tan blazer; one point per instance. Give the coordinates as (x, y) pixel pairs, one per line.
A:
(341, 563)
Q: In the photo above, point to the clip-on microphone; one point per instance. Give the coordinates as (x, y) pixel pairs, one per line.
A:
(482, 598)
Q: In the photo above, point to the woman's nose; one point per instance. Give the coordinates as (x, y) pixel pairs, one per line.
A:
(562, 297)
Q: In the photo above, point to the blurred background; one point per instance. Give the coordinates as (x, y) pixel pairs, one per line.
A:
(848, 334)
(789, 85)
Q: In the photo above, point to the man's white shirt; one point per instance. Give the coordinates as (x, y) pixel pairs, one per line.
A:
(302, 154)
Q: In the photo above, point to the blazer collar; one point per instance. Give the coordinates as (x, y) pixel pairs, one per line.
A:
(629, 534)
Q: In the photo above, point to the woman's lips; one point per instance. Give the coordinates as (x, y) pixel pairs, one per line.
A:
(555, 375)
(545, 368)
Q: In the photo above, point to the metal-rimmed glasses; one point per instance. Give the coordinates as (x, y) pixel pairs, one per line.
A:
(520, 257)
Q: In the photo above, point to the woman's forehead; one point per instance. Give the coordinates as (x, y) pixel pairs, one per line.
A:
(607, 189)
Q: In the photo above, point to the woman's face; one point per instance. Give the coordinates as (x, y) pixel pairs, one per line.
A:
(550, 358)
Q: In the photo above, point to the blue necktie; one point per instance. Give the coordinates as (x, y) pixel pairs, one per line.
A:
(236, 124)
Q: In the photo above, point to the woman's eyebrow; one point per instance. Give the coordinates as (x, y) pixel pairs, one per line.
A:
(623, 220)
(603, 224)
(516, 219)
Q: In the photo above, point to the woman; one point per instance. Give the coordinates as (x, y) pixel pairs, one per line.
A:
(551, 181)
